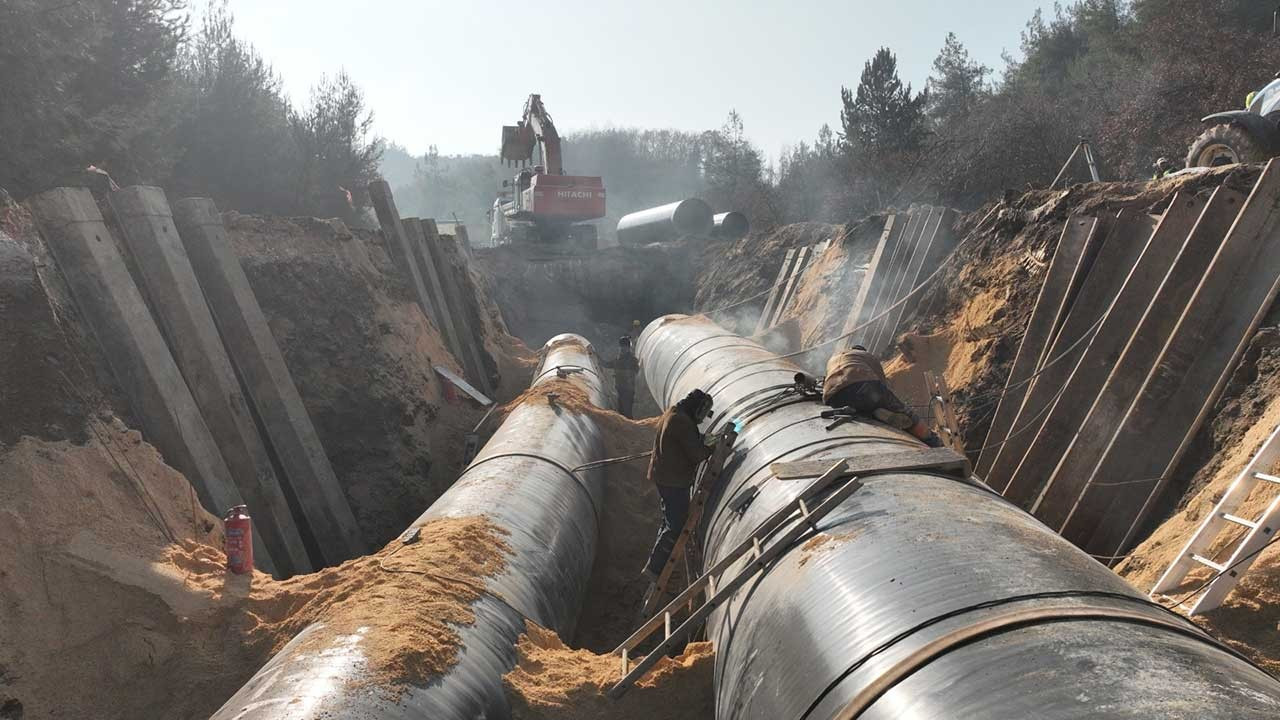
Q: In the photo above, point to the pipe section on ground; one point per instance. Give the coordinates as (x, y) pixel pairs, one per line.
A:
(691, 217)
(730, 225)
(924, 596)
(521, 481)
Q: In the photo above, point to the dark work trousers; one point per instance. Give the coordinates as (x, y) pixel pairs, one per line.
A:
(675, 509)
(868, 396)
(626, 394)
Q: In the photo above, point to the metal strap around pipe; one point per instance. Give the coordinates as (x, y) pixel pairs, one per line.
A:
(534, 456)
(1007, 622)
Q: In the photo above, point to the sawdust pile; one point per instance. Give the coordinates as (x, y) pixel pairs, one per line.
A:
(410, 597)
(361, 353)
(553, 682)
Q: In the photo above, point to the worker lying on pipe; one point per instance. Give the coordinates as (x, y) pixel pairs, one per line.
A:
(678, 449)
(856, 380)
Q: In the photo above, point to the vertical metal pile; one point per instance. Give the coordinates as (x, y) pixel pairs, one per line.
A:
(925, 596)
(521, 481)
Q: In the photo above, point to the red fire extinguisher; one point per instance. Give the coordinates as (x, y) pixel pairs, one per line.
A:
(238, 540)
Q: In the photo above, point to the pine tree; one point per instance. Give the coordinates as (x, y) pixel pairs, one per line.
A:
(957, 84)
(882, 116)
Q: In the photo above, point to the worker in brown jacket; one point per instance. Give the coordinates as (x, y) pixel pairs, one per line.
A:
(624, 367)
(856, 380)
(678, 449)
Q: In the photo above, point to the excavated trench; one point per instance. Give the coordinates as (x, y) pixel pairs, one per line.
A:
(122, 607)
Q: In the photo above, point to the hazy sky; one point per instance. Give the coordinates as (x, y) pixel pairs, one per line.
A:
(452, 73)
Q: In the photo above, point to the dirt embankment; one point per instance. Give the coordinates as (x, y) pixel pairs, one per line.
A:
(361, 354)
(731, 271)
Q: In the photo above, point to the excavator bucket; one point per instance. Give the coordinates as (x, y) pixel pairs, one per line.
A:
(517, 143)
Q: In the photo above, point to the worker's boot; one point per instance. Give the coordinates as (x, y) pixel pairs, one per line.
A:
(926, 435)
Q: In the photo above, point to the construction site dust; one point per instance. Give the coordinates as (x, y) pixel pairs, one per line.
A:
(859, 436)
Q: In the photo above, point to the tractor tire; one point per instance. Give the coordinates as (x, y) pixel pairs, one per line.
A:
(1226, 144)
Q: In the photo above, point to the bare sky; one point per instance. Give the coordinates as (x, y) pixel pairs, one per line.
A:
(452, 73)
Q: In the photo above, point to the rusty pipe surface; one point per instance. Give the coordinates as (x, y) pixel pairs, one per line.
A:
(730, 225)
(924, 596)
(666, 222)
(521, 481)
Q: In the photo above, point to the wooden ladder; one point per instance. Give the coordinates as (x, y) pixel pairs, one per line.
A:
(708, 477)
(1258, 533)
(716, 589)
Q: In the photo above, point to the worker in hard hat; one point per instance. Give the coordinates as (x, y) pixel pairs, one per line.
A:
(678, 449)
(855, 379)
(624, 367)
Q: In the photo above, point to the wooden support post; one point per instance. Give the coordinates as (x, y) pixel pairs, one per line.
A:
(1069, 477)
(784, 272)
(880, 341)
(793, 281)
(892, 271)
(427, 271)
(1103, 350)
(179, 305)
(450, 264)
(105, 295)
(938, 248)
(1035, 338)
(873, 277)
(1129, 236)
(1195, 364)
(329, 523)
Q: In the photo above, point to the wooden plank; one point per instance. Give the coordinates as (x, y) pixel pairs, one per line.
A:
(873, 277)
(930, 232)
(1194, 366)
(1040, 326)
(911, 251)
(788, 262)
(1128, 237)
(903, 248)
(802, 261)
(462, 385)
(1103, 350)
(943, 460)
(1068, 480)
(179, 305)
(326, 513)
(106, 296)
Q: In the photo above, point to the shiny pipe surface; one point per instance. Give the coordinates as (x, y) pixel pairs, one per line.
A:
(925, 596)
(521, 481)
(731, 225)
(665, 222)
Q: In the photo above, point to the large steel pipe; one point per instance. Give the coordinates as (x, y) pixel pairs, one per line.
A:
(730, 225)
(665, 222)
(521, 481)
(925, 596)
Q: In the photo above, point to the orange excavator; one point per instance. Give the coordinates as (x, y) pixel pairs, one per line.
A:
(544, 205)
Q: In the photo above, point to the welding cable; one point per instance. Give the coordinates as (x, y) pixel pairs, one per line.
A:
(1225, 570)
(611, 461)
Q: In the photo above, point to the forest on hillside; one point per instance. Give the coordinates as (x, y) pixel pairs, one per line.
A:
(149, 94)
